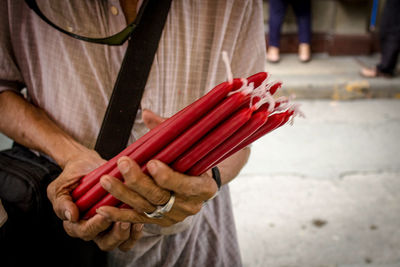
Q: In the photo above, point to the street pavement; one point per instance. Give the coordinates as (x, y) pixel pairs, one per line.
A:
(325, 191)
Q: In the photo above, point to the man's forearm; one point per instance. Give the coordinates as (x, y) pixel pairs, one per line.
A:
(31, 127)
(231, 167)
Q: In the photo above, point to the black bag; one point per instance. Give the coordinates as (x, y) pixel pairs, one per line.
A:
(33, 235)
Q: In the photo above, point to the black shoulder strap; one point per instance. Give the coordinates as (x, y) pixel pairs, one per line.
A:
(132, 78)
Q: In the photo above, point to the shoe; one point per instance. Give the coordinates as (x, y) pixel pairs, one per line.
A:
(273, 54)
(373, 73)
(304, 52)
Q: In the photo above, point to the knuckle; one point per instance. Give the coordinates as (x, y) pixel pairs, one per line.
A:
(194, 209)
(50, 190)
(145, 207)
(88, 232)
(209, 194)
(121, 235)
(131, 180)
(210, 189)
(68, 230)
(190, 191)
(116, 187)
(135, 202)
(198, 207)
(117, 237)
(85, 236)
(138, 204)
(132, 199)
(159, 197)
(129, 216)
(163, 177)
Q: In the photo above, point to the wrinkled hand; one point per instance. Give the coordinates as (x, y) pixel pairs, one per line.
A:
(143, 193)
(106, 234)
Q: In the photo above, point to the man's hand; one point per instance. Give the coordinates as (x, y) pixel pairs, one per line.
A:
(144, 193)
(106, 234)
(30, 126)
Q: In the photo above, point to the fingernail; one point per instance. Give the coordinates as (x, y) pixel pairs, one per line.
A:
(138, 227)
(125, 225)
(67, 215)
(152, 166)
(123, 166)
(105, 183)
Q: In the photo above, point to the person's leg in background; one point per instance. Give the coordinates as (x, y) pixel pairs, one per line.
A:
(277, 11)
(390, 47)
(390, 37)
(302, 10)
(389, 42)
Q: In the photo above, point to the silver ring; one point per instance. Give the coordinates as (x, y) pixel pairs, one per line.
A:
(160, 210)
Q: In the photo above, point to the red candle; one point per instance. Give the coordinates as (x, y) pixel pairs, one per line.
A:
(257, 120)
(166, 131)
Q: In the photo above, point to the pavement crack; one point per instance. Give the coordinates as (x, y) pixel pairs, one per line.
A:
(276, 174)
(340, 176)
(346, 174)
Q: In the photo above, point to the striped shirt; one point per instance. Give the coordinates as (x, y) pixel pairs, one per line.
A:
(73, 80)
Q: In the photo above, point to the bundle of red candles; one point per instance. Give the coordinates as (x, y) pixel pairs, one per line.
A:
(228, 118)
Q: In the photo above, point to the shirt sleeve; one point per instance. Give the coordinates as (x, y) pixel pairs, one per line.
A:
(249, 54)
(10, 76)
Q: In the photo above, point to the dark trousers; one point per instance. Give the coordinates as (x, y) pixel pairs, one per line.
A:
(390, 37)
(277, 11)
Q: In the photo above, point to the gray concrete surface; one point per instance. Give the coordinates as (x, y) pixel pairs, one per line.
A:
(334, 78)
(325, 191)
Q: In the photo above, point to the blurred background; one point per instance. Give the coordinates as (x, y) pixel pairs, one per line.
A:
(325, 191)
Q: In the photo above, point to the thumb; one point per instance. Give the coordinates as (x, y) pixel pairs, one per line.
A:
(150, 119)
(66, 209)
(62, 203)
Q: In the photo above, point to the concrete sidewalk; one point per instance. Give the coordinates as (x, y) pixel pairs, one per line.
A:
(327, 77)
(325, 191)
